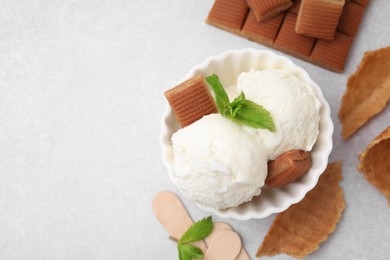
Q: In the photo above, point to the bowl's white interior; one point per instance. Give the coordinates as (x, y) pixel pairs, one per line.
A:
(228, 66)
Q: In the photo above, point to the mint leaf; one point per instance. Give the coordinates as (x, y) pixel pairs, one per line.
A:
(221, 97)
(197, 231)
(232, 108)
(189, 252)
(254, 115)
(240, 110)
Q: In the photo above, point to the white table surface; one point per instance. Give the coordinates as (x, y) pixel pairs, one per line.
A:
(81, 97)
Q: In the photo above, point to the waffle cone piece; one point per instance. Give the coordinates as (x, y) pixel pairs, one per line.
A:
(375, 164)
(299, 230)
(368, 91)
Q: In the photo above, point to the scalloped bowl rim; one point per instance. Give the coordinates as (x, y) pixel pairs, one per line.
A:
(324, 141)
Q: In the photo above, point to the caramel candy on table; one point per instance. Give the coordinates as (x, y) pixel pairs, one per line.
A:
(191, 100)
(279, 33)
(332, 54)
(265, 9)
(300, 229)
(368, 91)
(361, 2)
(351, 18)
(319, 18)
(266, 33)
(290, 42)
(295, 7)
(228, 15)
(375, 163)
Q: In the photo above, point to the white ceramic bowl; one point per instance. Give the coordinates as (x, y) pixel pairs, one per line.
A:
(228, 66)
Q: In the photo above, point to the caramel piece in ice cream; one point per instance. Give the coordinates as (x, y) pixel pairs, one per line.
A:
(191, 100)
(228, 15)
(265, 9)
(368, 91)
(300, 229)
(319, 18)
(375, 163)
(262, 32)
(288, 168)
(332, 54)
(290, 42)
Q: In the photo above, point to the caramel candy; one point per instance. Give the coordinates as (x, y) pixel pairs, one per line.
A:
(361, 2)
(295, 7)
(228, 15)
(350, 19)
(262, 32)
(279, 33)
(265, 9)
(288, 168)
(191, 100)
(290, 42)
(332, 54)
(319, 18)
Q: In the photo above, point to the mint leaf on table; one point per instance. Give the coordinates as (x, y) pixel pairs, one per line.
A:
(240, 110)
(189, 252)
(197, 231)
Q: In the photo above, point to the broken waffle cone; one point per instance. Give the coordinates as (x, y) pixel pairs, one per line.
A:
(368, 91)
(191, 100)
(300, 229)
(375, 164)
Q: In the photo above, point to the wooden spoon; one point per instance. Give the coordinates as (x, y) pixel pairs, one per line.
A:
(225, 246)
(169, 210)
(221, 226)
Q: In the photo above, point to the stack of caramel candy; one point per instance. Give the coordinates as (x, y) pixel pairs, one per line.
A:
(318, 31)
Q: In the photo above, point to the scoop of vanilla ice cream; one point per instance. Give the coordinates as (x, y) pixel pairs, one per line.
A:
(293, 105)
(217, 163)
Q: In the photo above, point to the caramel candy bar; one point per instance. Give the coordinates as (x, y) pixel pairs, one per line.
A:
(350, 19)
(228, 15)
(362, 2)
(295, 7)
(290, 42)
(279, 33)
(191, 100)
(332, 54)
(262, 32)
(319, 18)
(265, 9)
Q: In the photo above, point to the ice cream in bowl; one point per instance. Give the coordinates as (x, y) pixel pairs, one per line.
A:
(246, 134)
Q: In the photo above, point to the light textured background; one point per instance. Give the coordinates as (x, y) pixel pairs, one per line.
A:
(81, 96)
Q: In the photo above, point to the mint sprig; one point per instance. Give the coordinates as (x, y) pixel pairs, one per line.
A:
(196, 232)
(240, 110)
